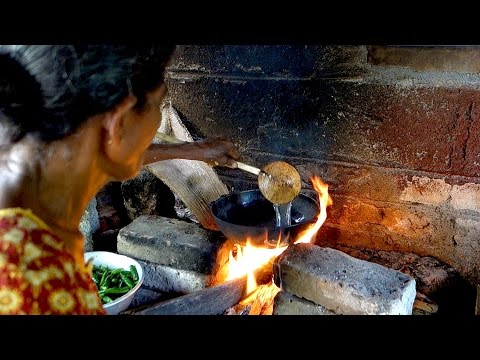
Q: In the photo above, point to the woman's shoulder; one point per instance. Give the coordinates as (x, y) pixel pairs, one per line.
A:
(37, 275)
(20, 229)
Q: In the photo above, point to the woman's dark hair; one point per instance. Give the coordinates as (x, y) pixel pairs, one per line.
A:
(49, 90)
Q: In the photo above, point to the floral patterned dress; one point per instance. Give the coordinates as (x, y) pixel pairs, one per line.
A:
(37, 275)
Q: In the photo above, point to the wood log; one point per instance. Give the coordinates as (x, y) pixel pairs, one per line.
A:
(260, 302)
(209, 301)
(423, 305)
(238, 309)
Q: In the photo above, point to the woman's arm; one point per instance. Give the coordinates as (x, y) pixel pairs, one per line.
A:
(214, 151)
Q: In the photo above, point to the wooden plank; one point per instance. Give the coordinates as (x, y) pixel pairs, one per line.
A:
(209, 301)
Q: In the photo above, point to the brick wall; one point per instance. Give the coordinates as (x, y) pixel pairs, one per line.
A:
(394, 130)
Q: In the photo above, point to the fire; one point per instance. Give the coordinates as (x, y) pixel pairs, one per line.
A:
(245, 260)
(324, 199)
(249, 258)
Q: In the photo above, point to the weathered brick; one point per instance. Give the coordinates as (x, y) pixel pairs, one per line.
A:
(420, 229)
(460, 59)
(171, 280)
(466, 197)
(376, 119)
(171, 242)
(343, 284)
(405, 221)
(289, 304)
(282, 105)
(464, 256)
(425, 190)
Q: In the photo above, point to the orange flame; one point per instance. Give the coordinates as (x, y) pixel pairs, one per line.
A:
(324, 199)
(244, 260)
(249, 258)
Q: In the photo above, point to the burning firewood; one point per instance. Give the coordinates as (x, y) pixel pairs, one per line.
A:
(423, 305)
(260, 302)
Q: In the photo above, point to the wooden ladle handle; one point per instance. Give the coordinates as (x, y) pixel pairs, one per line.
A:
(248, 168)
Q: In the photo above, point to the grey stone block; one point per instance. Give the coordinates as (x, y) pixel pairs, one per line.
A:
(170, 242)
(170, 280)
(342, 283)
(89, 224)
(289, 304)
(146, 296)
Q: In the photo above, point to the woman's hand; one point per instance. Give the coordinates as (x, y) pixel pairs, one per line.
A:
(217, 151)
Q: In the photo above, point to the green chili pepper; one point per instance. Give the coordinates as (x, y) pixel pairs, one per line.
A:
(106, 299)
(134, 273)
(102, 280)
(117, 271)
(122, 290)
(127, 280)
(113, 283)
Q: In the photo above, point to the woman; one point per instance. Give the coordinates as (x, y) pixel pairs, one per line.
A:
(72, 118)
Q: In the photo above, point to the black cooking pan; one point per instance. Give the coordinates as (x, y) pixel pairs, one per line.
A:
(248, 214)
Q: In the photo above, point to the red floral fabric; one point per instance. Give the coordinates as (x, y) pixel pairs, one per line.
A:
(37, 276)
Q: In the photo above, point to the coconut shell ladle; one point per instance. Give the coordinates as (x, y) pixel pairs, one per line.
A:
(278, 181)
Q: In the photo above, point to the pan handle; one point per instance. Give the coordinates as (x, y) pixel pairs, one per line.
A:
(173, 140)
